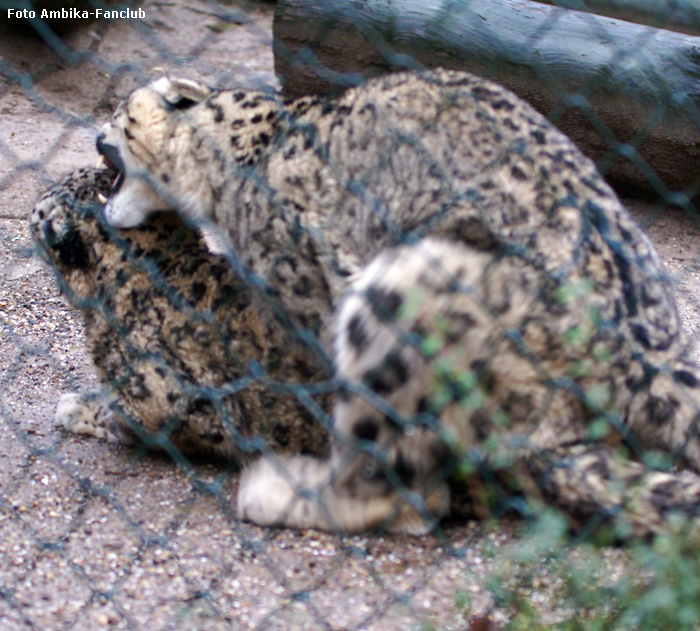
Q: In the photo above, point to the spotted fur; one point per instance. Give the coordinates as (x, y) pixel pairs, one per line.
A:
(170, 329)
(496, 307)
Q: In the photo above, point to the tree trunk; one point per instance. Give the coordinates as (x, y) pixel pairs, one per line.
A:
(682, 16)
(628, 95)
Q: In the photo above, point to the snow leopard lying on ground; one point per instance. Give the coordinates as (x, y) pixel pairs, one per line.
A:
(167, 323)
(497, 311)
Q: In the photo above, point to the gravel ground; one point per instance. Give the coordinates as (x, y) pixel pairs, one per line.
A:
(95, 536)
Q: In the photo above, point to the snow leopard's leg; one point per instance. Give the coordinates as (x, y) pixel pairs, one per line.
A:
(92, 413)
(388, 463)
(300, 492)
(595, 483)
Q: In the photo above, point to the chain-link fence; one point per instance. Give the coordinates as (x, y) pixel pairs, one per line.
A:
(95, 534)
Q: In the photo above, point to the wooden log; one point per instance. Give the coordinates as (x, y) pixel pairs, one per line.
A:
(628, 95)
(682, 16)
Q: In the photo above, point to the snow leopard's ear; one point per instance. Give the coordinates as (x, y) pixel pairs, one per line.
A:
(180, 94)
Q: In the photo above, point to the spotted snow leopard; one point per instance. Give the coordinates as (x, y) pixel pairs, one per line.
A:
(494, 308)
(167, 321)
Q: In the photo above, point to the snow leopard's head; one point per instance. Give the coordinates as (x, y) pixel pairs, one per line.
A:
(135, 142)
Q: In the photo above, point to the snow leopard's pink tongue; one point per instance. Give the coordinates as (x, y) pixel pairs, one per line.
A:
(102, 163)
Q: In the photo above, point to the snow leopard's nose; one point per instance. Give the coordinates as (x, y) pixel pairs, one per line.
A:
(99, 142)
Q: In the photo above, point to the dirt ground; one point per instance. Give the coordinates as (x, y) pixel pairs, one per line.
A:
(95, 536)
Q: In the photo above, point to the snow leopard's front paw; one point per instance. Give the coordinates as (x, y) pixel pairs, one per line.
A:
(279, 491)
(299, 493)
(88, 413)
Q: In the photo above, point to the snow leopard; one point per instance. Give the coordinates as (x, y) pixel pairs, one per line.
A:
(493, 310)
(184, 348)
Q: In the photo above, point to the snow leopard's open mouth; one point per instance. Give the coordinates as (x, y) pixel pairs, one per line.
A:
(109, 156)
